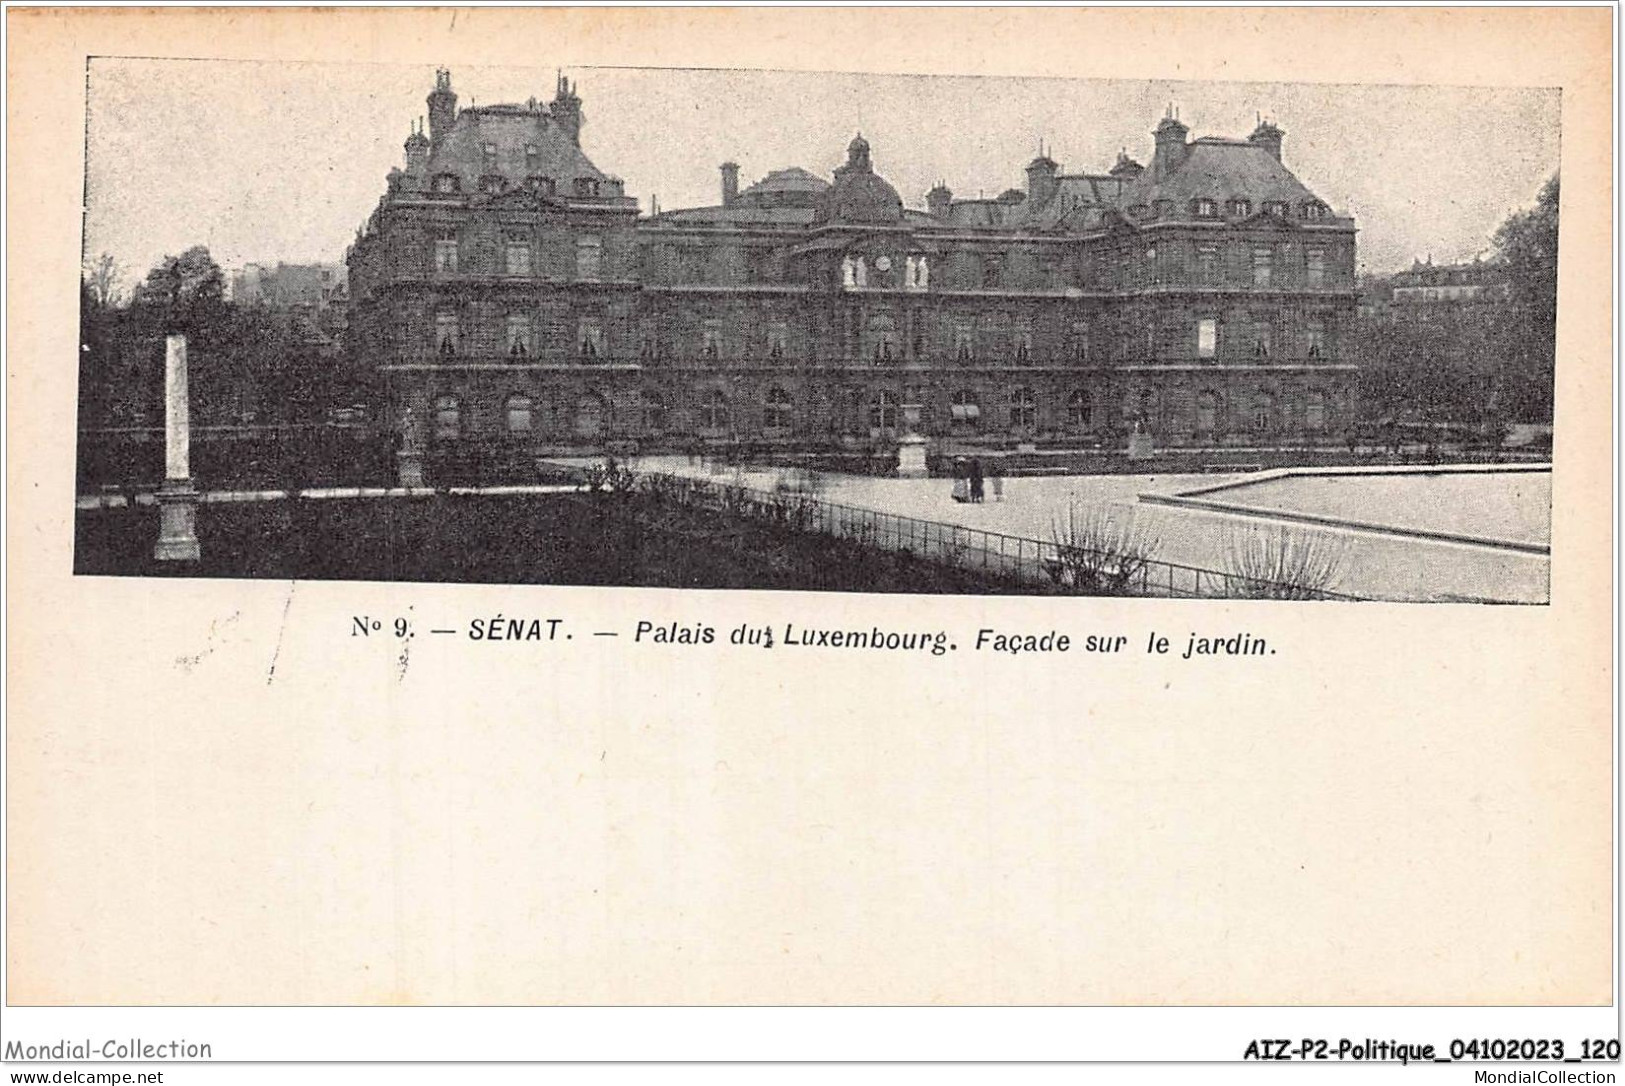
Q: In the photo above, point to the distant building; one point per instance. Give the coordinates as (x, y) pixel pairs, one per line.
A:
(288, 285)
(1477, 283)
(509, 290)
(317, 295)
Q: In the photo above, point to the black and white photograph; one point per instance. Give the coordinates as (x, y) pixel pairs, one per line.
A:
(758, 329)
(770, 534)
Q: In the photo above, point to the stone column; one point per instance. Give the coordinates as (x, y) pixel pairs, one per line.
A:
(178, 498)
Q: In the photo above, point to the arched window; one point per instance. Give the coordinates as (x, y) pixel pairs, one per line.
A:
(1314, 411)
(964, 411)
(882, 338)
(518, 414)
(1263, 419)
(1080, 410)
(1207, 411)
(448, 419)
(714, 411)
(654, 411)
(883, 411)
(1023, 409)
(777, 415)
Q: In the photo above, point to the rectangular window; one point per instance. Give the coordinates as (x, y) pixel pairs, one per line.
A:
(518, 335)
(777, 336)
(590, 338)
(533, 156)
(1261, 340)
(447, 336)
(1080, 342)
(1314, 267)
(1263, 267)
(490, 156)
(445, 252)
(518, 254)
(711, 341)
(1207, 338)
(589, 253)
(1207, 265)
(964, 349)
(1315, 341)
(992, 272)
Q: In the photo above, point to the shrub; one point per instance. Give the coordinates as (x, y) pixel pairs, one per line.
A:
(1280, 562)
(1101, 550)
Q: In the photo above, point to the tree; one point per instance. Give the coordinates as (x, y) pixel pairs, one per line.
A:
(1526, 244)
(184, 293)
(102, 278)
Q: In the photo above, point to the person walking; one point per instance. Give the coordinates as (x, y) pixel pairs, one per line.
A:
(961, 481)
(995, 472)
(975, 479)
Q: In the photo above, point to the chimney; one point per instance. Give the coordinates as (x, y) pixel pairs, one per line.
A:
(442, 107)
(1041, 182)
(417, 150)
(1267, 136)
(1171, 147)
(939, 200)
(730, 183)
(566, 109)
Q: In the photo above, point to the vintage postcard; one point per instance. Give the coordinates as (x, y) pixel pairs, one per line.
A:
(729, 507)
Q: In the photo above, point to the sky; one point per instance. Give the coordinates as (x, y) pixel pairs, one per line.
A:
(267, 162)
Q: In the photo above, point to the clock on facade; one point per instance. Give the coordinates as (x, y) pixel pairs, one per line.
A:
(883, 263)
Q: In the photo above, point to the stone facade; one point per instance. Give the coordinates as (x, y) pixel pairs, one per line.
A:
(512, 293)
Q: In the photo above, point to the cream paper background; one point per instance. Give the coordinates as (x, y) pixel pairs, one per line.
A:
(216, 795)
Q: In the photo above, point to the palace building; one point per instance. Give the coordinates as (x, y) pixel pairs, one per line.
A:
(511, 293)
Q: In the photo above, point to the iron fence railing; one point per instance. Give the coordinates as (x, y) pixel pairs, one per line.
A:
(996, 553)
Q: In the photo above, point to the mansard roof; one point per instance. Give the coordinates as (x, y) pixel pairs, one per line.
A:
(512, 129)
(1220, 170)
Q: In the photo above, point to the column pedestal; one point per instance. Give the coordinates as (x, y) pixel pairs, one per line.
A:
(911, 457)
(1140, 447)
(177, 522)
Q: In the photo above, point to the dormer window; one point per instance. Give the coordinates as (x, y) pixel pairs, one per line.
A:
(491, 185)
(1276, 207)
(1164, 208)
(1314, 210)
(586, 186)
(1240, 209)
(445, 183)
(533, 156)
(1204, 208)
(542, 186)
(489, 154)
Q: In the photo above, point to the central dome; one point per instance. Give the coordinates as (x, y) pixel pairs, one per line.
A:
(859, 195)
